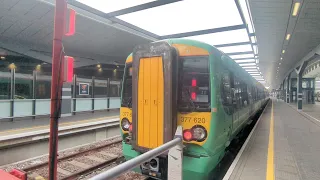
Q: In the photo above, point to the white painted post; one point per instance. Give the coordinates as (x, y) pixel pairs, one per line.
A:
(175, 158)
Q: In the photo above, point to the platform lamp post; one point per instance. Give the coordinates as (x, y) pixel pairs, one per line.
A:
(59, 75)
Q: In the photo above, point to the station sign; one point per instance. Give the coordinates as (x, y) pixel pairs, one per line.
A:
(84, 88)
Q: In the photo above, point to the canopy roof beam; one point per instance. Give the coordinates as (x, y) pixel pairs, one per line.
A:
(206, 31)
(232, 44)
(140, 7)
(239, 53)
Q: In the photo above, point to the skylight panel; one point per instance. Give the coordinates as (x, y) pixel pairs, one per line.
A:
(185, 16)
(242, 56)
(248, 64)
(245, 61)
(231, 49)
(226, 37)
(246, 14)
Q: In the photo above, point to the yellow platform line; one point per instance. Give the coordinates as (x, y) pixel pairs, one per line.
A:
(39, 178)
(270, 160)
(60, 124)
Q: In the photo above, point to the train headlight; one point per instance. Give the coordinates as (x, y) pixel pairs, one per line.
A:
(125, 124)
(199, 133)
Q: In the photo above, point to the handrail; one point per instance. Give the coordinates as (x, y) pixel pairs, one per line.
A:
(175, 152)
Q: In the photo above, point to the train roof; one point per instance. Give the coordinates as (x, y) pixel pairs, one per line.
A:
(229, 62)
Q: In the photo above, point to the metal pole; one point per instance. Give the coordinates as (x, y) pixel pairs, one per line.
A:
(13, 91)
(120, 169)
(92, 92)
(74, 94)
(56, 84)
(108, 94)
(34, 81)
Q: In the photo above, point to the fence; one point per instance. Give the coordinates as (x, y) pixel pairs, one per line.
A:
(25, 95)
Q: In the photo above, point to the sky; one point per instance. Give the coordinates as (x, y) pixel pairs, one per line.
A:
(187, 16)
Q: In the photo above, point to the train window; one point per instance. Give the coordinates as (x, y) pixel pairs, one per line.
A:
(127, 87)
(226, 97)
(194, 89)
(237, 93)
(253, 94)
(244, 94)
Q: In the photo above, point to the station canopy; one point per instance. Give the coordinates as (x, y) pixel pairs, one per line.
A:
(225, 24)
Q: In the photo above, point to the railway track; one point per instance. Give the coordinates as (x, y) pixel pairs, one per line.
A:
(79, 164)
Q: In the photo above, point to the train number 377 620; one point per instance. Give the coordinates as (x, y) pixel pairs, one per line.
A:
(193, 120)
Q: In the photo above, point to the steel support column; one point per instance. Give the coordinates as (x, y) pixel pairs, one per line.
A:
(288, 88)
(290, 91)
(313, 90)
(92, 93)
(108, 94)
(74, 95)
(283, 90)
(299, 84)
(34, 96)
(56, 84)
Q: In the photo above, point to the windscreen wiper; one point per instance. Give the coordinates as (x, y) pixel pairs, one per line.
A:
(129, 102)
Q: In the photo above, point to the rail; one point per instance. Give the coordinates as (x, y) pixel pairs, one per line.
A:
(175, 157)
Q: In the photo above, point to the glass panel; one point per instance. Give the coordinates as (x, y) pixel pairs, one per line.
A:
(242, 56)
(23, 86)
(248, 64)
(304, 84)
(114, 103)
(253, 39)
(110, 5)
(43, 86)
(241, 48)
(186, 16)
(226, 96)
(100, 88)
(114, 90)
(255, 49)
(223, 37)
(22, 108)
(194, 92)
(246, 14)
(5, 83)
(127, 87)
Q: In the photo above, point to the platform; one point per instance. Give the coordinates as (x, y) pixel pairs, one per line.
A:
(284, 145)
(30, 125)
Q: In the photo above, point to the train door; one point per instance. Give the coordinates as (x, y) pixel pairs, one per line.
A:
(154, 95)
(226, 96)
(235, 103)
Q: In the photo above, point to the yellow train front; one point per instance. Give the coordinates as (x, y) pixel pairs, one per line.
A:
(188, 83)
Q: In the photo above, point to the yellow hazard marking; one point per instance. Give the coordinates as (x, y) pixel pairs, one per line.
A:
(60, 124)
(270, 160)
(39, 178)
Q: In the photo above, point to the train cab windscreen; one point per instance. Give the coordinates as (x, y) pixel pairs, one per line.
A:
(194, 86)
(127, 87)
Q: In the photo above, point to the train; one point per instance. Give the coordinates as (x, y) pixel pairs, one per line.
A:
(182, 82)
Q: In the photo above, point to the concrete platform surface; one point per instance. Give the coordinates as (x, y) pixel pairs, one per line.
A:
(29, 125)
(285, 145)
